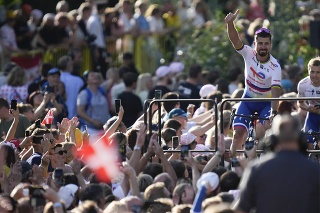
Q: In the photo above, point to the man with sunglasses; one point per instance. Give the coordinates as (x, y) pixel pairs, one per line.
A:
(262, 79)
(59, 157)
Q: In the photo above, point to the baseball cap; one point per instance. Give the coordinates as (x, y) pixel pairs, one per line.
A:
(209, 177)
(187, 138)
(176, 67)
(162, 71)
(206, 90)
(67, 193)
(54, 71)
(177, 112)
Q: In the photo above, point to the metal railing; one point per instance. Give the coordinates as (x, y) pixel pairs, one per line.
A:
(149, 103)
(262, 100)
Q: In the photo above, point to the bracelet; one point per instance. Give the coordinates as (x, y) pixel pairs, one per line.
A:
(136, 148)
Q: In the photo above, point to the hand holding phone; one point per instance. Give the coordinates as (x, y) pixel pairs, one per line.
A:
(117, 105)
(13, 105)
(27, 133)
(157, 94)
(175, 142)
(184, 152)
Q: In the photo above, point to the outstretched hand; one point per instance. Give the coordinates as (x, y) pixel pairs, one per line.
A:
(231, 17)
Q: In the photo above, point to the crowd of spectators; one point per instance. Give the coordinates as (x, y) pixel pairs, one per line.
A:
(60, 114)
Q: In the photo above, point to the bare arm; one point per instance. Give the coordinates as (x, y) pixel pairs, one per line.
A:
(232, 32)
(214, 161)
(13, 127)
(275, 92)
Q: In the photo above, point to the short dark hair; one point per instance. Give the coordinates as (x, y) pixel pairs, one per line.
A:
(168, 106)
(132, 137)
(178, 167)
(229, 181)
(4, 103)
(127, 56)
(93, 192)
(263, 34)
(194, 70)
(129, 78)
(153, 169)
(171, 123)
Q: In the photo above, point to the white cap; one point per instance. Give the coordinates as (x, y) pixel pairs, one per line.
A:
(176, 67)
(67, 194)
(162, 71)
(187, 138)
(206, 90)
(209, 177)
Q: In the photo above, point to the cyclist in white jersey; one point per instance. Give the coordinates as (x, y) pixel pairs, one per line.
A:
(262, 80)
(310, 87)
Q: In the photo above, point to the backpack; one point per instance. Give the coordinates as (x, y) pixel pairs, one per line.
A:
(89, 97)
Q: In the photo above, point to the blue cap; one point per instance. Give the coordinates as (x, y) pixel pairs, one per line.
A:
(177, 112)
(54, 71)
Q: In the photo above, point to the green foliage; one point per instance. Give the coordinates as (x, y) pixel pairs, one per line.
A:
(211, 48)
(208, 46)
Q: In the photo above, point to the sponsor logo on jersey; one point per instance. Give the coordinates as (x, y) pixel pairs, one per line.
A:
(274, 65)
(259, 75)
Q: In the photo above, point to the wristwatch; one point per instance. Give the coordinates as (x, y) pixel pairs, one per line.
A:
(274, 112)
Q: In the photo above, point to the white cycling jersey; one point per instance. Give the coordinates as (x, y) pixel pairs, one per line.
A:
(306, 89)
(259, 77)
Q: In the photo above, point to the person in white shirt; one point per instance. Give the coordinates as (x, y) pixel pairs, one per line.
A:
(72, 83)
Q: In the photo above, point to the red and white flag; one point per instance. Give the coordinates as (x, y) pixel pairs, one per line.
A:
(49, 117)
(102, 158)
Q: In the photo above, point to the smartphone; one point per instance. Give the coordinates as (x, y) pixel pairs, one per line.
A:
(117, 105)
(175, 142)
(58, 176)
(13, 104)
(49, 89)
(184, 152)
(158, 94)
(27, 133)
(86, 127)
(38, 123)
(37, 139)
(235, 162)
(248, 145)
(36, 197)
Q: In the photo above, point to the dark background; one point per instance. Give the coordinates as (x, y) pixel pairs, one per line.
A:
(49, 6)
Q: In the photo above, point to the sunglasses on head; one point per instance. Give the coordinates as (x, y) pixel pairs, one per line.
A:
(61, 152)
(263, 30)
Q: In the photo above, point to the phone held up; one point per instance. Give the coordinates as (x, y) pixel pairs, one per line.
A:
(117, 105)
(184, 152)
(157, 94)
(13, 105)
(175, 142)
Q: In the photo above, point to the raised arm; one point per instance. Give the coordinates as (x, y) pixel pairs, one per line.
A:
(232, 32)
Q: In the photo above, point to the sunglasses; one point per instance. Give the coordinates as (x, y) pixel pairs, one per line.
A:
(263, 30)
(61, 152)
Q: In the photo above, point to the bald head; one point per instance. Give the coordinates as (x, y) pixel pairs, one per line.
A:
(166, 179)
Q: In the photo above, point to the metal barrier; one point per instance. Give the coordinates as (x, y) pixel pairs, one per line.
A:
(150, 102)
(262, 100)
